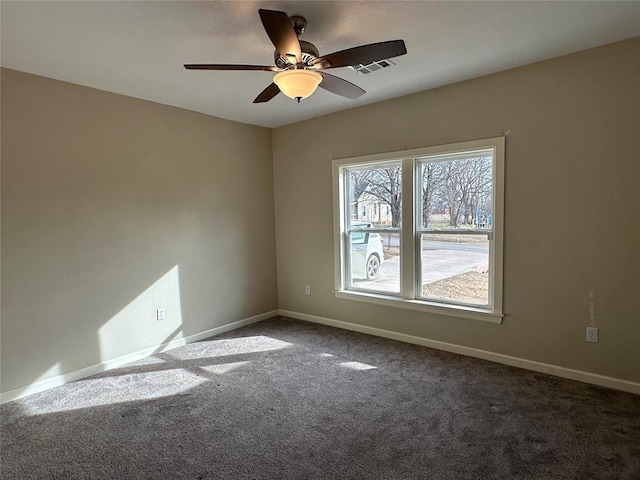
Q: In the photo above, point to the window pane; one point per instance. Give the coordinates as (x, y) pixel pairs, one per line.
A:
(457, 193)
(455, 267)
(375, 196)
(375, 261)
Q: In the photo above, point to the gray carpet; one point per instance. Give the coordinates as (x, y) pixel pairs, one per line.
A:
(284, 399)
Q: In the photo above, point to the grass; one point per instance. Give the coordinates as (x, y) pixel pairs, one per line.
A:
(467, 287)
(469, 238)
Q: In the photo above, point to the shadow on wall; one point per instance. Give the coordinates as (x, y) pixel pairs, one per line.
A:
(91, 295)
(140, 320)
(71, 345)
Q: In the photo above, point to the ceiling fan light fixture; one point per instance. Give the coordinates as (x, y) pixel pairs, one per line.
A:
(297, 83)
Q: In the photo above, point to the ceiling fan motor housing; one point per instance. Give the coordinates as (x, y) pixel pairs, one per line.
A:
(309, 54)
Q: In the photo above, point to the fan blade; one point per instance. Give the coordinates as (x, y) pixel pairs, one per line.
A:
(364, 54)
(209, 66)
(267, 94)
(282, 34)
(340, 86)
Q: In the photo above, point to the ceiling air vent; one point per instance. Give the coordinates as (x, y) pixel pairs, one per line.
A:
(372, 67)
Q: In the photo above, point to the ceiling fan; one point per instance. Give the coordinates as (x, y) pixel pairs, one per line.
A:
(299, 66)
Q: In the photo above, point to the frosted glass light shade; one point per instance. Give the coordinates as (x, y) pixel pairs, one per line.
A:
(297, 84)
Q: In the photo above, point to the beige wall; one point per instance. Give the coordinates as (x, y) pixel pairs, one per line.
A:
(112, 207)
(572, 205)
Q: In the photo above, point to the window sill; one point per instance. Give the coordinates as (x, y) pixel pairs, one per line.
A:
(472, 313)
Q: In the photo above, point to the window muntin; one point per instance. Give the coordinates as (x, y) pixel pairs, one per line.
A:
(423, 229)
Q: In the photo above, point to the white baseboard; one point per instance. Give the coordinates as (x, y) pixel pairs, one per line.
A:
(119, 361)
(581, 376)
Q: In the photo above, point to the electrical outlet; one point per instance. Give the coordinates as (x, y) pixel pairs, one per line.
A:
(160, 314)
(592, 334)
(307, 290)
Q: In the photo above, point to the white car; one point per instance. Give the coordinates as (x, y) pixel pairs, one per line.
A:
(366, 255)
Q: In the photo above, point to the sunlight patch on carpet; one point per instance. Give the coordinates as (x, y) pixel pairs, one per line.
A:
(357, 366)
(223, 368)
(231, 346)
(108, 390)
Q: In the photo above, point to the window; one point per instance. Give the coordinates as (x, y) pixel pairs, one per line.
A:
(439, 245)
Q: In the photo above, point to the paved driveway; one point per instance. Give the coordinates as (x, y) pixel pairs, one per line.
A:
(437, 264)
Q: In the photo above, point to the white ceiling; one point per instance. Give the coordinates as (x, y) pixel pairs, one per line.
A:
(138, 48)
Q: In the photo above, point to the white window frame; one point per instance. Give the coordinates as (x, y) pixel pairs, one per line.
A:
(410, 234)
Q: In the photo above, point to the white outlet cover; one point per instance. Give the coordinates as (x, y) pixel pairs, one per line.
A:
(160, 313)
(592, 334)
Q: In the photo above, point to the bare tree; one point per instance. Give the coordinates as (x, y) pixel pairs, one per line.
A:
(386, 184)
(358, 184)
(383, 183)
(463, 187)
(432, 181)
